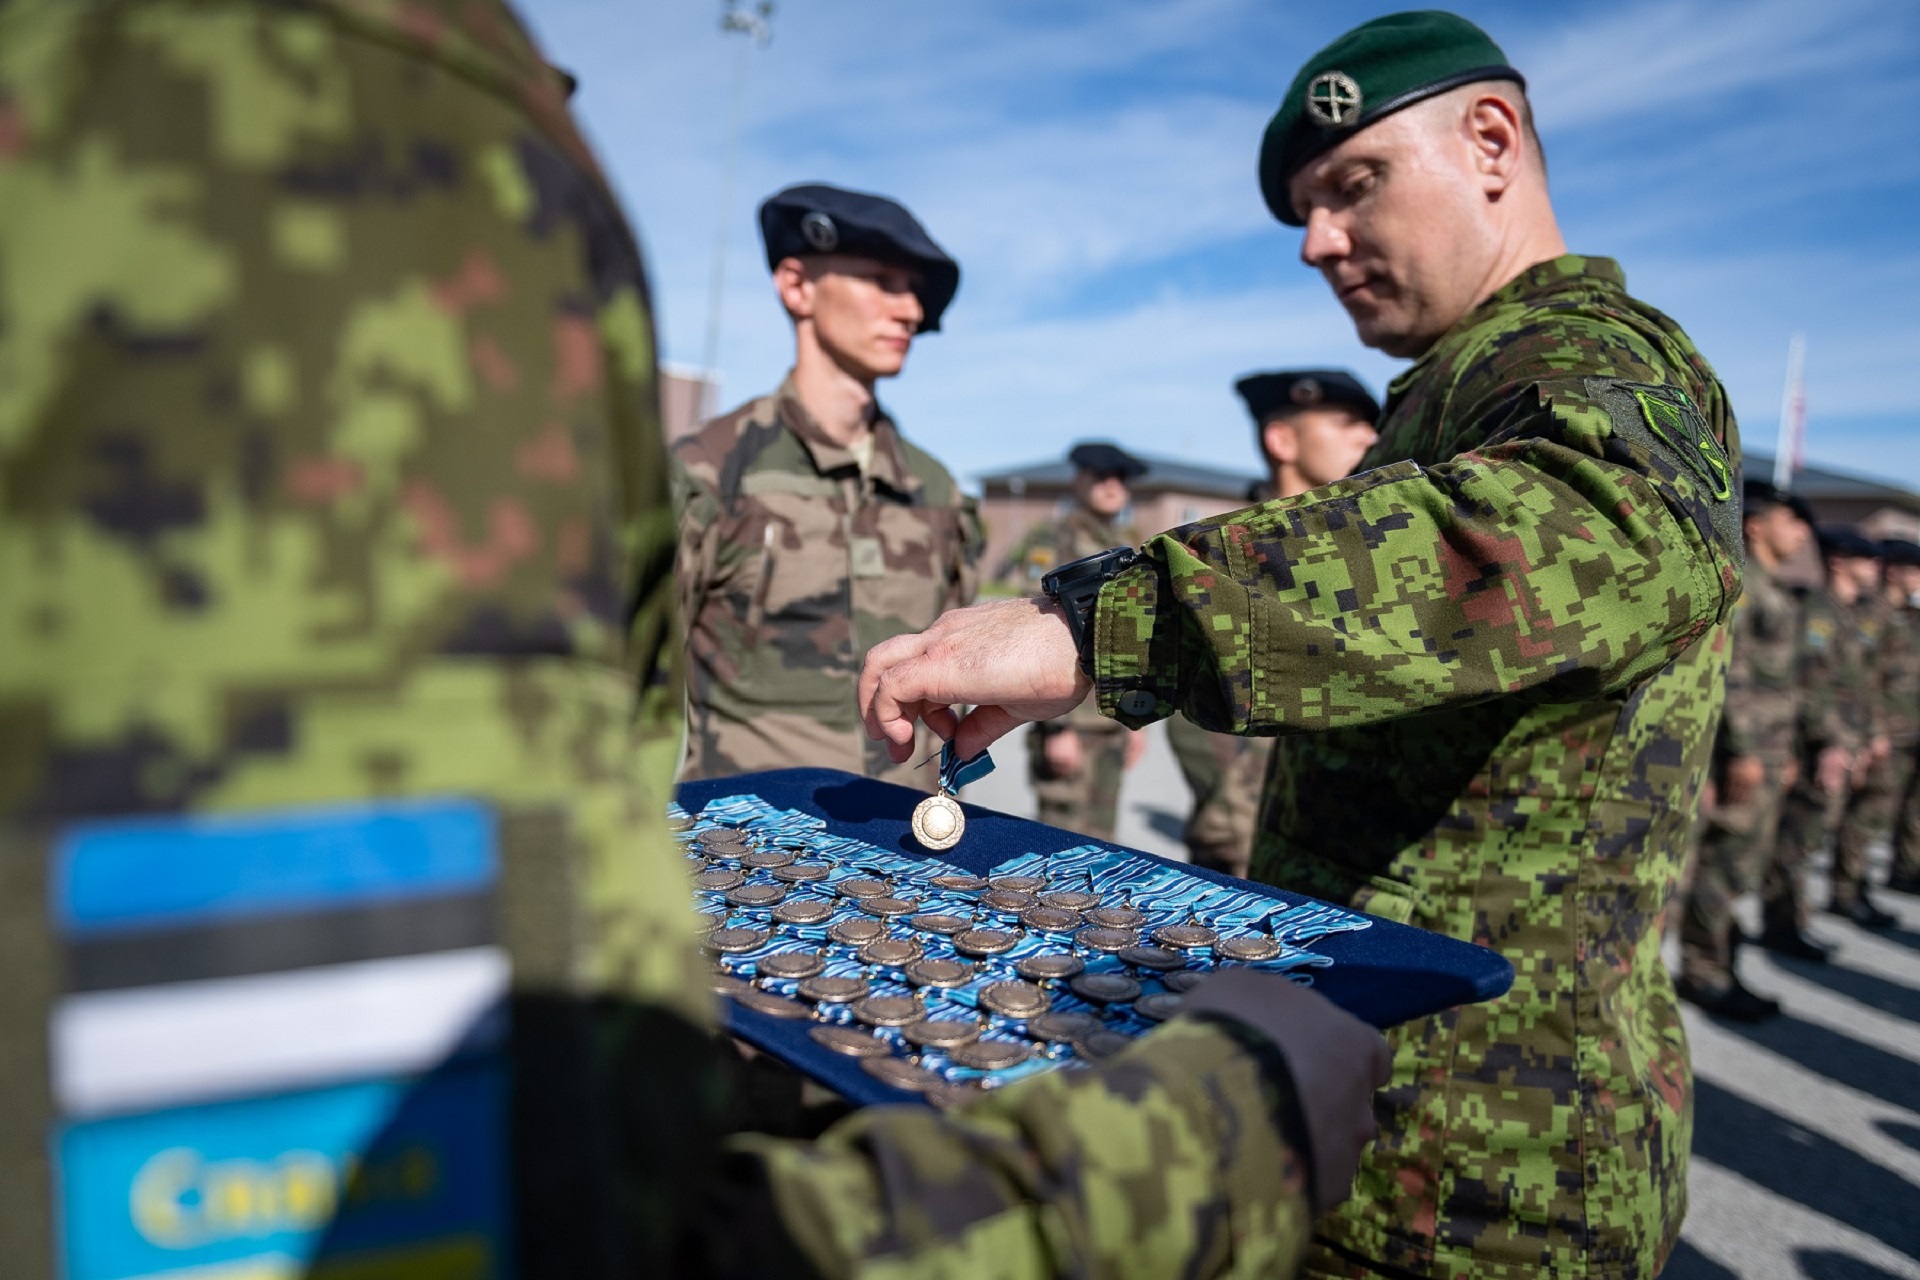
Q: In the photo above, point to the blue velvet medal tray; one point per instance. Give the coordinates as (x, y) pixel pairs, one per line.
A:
(1382, 972)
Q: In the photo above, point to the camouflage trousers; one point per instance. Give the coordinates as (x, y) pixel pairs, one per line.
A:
(1736, 845)
(1874, 807)
(1225, 772)
(1906, 829)
(1087, 801)
(1808, 820)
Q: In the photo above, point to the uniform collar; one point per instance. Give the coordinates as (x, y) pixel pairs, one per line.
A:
(889, 465)
(1567, 272)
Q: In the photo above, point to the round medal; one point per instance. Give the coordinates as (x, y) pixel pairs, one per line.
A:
(768, 859)
(1185, 937)
(1183, 981)
(940, 1033)
(888, 1011)
(725, 984)
(939, 822)
(901, 1074)
(1116, 917)
(1096, 1045)
(851, 1041)
(834, 990)
(1070, 899)
(733, 941)
(1105, 988)
(1008, 900)
(1049, 966)
(1157, 1007)
(947, 1095)
(1015, 999)
(772, 1005)
(802, 911)
(1247, 948)
(790, 964)
(679, 823)
(939, 972)
(985, 942)
(1050, 919)
(1099, 939)
(1019, 884)
(990, 1055)
(718, 878)
(757, 895)
(711, 920)
(720, 838)
(960, 884)
(856, 933)
(801, 872)
(863, 887)
(884, 906)
(1059, 1026)
(1158, 959)
(944, 925)
(890, 953)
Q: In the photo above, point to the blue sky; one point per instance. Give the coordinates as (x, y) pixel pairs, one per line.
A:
(1755, 166)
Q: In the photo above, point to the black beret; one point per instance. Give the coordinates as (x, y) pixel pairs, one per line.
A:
(814, 219)
(1840, 540)
(1371, 72)
(1758, 495)
(1268, 394)
(1106, 459)
(1900, 551)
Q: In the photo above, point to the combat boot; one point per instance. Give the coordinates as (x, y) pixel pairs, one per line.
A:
(1732, 1002)
(1865, 913)
(1796, 944)
(1906, 882)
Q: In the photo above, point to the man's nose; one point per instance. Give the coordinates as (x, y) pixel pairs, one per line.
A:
(1323, 241)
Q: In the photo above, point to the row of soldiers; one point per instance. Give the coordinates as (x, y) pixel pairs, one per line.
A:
(1819, 745)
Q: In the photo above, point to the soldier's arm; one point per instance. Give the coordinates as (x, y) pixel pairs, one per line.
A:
(969, 544)
(696, 510)
(1167, 1160)
(1592, 539)
(1742, 724)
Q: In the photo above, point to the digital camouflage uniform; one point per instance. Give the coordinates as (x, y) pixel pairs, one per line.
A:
(1872, 808)
(330, 469)
(1087, 801)
(1761, 721)
(794, 560)
(1836, 711)
(1498, 654)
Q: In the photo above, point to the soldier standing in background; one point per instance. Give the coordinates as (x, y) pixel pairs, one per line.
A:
(1075, 762)
(1895, 676)
(1838, 719)
(1753, 764)
(810, 529)
(1312, 426)
(225, 599)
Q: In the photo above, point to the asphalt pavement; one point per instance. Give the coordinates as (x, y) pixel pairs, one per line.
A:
(1806, 1151)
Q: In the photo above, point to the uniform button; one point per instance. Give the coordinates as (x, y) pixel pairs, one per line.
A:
(1137, 702)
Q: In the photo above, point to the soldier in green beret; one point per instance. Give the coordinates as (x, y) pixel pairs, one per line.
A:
(1498, 651)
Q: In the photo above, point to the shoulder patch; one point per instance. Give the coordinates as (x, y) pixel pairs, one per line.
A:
(1663, 421)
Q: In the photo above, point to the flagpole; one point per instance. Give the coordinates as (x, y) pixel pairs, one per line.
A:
(1793, 415)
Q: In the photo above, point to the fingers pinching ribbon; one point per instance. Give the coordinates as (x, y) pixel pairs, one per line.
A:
(939, 821)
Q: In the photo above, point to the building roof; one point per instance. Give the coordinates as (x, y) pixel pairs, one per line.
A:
(1164, 475)
(1818, 484)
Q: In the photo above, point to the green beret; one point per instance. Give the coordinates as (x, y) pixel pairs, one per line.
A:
(1367, 74)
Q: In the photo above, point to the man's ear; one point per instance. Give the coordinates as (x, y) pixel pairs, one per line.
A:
(794, 283)
(1494, 139)
(1282, 445)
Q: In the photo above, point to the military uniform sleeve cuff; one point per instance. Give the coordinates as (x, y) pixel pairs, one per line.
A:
(1136, 661)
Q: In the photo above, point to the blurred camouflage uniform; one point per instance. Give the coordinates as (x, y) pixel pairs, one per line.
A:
(1088, 801)
(1761, 720)
(330, 469)
(1872, 808)
(1225, 772)
(1836, 711)
(1500, 657)
(795, 558)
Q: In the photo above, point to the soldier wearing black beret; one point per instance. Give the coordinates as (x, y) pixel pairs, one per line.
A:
(1075, 761)
(810, 528)
(1312, 426)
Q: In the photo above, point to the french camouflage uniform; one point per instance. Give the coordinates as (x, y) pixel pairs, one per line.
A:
(331, 475)
(1496, 656)
(1761, 721)
(1837, 710)
(1087, 801)
(1873, 807)
(795, 558)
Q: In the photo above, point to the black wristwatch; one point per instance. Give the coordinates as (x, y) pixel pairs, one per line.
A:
(1075, 585)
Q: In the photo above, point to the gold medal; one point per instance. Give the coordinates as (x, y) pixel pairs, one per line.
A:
(939, 822)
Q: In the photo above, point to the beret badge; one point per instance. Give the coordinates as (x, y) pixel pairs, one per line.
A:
(1333, 99)
(1306, 392)
(820, 232)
